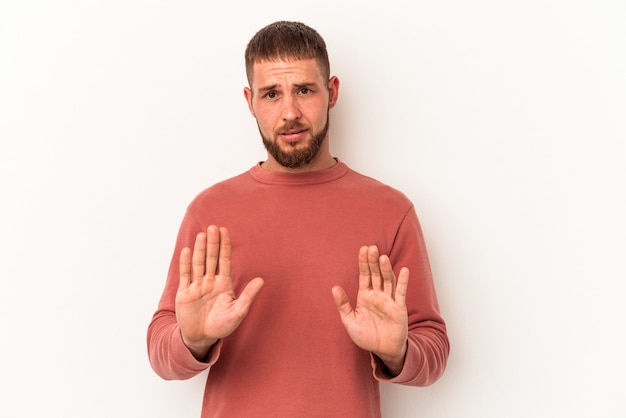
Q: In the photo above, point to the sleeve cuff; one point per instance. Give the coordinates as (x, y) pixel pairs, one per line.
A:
(189, 362)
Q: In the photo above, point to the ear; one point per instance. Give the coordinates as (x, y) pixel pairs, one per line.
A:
(333, 91)
(247, 93)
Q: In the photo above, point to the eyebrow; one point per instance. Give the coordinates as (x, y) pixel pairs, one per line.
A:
(307, 84)
(268, 88)
(297, 86)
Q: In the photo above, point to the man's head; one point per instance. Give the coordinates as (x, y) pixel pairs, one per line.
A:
(286, 41)
(290, 94)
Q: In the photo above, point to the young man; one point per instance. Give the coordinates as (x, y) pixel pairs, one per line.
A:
(282, 280)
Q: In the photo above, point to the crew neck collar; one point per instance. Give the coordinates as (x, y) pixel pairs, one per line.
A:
(299, 179)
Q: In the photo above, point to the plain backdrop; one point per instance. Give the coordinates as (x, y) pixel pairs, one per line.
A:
(503, 121)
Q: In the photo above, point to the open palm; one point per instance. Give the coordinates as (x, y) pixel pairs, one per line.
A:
(207, 308)
(379, 322)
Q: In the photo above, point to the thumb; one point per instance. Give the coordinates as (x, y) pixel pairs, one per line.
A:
(341, 301)
(249, 293)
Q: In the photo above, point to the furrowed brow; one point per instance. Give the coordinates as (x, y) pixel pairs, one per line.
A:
(307, 85)
(265, 89)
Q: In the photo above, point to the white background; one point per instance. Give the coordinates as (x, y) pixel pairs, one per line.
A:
(503, 121)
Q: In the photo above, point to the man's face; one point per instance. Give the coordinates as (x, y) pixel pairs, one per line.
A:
(290, 101)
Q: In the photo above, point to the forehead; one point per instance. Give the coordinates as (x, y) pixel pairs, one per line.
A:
(286, 72)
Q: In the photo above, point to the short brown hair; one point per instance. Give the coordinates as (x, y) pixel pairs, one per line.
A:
(286, 40)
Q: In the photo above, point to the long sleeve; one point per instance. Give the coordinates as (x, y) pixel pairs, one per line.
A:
(301, 233)
(168, 355)
(428, 344)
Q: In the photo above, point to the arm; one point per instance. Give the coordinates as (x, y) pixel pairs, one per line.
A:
(416, 351)
(205, 308)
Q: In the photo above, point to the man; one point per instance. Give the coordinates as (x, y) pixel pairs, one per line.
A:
(282, 280)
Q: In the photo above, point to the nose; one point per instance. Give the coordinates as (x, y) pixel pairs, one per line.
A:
(291, 111)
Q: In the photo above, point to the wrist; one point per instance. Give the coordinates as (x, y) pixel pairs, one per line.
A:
(394, 363)
(199, 349)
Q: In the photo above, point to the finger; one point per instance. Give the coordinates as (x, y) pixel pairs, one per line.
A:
(184, 268)
(212, 250)
(402, 287)
(365, 278)
(341, 301)
(389, 278)
(373, 261)
(197, 259)
(225, 260)
(249, 294)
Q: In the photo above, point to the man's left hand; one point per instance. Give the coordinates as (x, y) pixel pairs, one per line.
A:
(379, 322)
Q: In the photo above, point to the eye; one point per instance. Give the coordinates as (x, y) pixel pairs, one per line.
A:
(304, 90)
(271, 95)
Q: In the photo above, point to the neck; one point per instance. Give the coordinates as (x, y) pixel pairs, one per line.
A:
(317, 164)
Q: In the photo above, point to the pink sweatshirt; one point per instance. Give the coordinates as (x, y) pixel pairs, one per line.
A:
(291, 357)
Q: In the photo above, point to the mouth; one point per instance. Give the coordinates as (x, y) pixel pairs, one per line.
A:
(292, 136)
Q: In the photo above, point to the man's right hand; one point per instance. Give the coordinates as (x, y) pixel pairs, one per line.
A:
(207, 308)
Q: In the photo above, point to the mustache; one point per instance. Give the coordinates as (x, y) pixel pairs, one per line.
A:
(291, 127)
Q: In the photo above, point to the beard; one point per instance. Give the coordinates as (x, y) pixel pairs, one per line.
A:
(296, 157)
